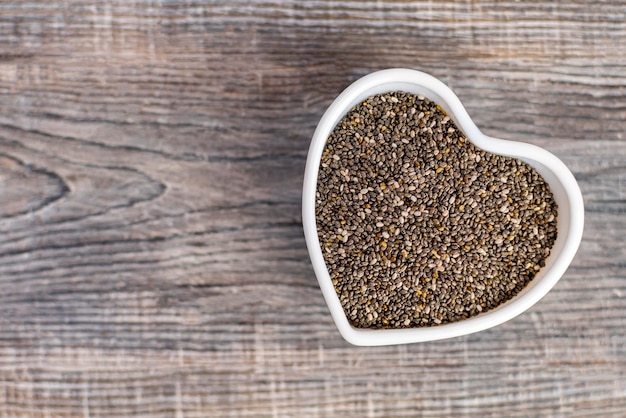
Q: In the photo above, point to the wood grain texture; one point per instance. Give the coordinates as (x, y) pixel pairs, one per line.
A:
(152, 261)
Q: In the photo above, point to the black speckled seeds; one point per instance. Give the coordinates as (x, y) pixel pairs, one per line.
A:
(418, 226)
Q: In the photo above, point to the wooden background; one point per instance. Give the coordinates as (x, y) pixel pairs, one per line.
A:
(152, 260)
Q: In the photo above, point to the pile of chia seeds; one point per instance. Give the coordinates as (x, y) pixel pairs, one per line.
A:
(417, 225)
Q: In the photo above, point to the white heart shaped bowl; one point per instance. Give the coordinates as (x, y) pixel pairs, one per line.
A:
(562, 183)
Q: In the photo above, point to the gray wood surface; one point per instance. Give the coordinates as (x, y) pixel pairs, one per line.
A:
(152, 261)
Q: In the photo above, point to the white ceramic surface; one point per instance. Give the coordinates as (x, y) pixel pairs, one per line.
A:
(561, 181)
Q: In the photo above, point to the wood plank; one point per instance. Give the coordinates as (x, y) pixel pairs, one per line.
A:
(152, 261)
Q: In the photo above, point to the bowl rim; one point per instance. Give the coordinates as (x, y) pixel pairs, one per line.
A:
(449, 101)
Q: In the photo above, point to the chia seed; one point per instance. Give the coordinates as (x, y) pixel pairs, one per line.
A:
(418, 226)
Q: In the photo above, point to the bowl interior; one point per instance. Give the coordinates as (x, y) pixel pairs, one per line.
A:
(556, 174)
